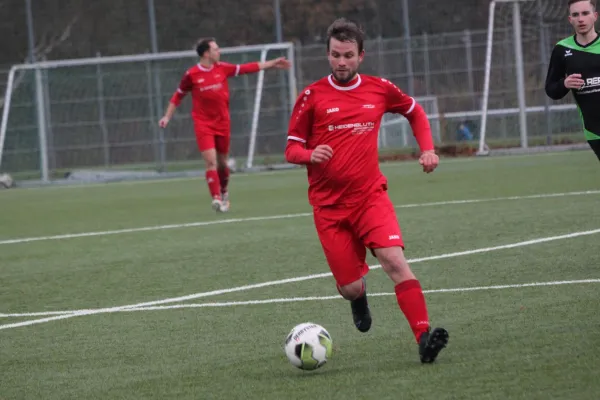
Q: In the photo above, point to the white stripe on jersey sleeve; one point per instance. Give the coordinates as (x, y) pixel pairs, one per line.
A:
(412, 107)
(297, 139)
(237, 70)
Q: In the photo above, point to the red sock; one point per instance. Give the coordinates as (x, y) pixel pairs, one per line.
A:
(412, 303)
(212, 179)
(223, 178)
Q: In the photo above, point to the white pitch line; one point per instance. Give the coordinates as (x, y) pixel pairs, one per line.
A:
(316, 298)
(528, 197)
(77, 313)
(277, 217)
(151, 228)
(36, 314)
(336, 297)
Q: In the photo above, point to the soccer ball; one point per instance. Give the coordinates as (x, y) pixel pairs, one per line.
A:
(308, 346)
(232, 164)
(6, 181)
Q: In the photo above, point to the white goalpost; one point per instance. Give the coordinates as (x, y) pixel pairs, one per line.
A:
(520, 81)
(514, 78)
(102, 112)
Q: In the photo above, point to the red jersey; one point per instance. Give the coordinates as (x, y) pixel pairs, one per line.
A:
(210, 94)
(347, 118)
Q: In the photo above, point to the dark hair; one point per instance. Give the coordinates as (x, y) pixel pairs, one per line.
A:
(203, 45)
(345, 30)
(592, 2)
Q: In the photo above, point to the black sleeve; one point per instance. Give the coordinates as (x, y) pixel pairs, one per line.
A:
(555, 80)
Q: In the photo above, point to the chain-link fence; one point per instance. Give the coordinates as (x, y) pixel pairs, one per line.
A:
(447, 69)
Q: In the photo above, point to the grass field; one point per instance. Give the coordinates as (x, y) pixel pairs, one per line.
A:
(138, 290)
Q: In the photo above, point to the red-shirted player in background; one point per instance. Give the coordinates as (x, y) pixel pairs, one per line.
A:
(333, 131)
(207, 81)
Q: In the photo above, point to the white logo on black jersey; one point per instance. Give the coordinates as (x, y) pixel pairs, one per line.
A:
(568, 53)
(592, 81)
(592, 85)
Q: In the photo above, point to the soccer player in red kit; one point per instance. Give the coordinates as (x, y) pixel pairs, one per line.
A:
(207, 81)
(333, 131)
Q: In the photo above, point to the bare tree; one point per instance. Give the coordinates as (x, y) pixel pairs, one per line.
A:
(47, 42)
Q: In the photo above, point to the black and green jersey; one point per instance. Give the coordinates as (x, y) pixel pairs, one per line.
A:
(569, 57)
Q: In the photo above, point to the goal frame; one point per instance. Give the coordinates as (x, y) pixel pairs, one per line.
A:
(433, 115)
(92, 61)
(518, 48)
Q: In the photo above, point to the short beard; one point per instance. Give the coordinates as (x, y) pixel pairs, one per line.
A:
(351, 76)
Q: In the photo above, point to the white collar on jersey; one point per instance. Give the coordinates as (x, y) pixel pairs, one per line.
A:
(338, 87)
(203, 68)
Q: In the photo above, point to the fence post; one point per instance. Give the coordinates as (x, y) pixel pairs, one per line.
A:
(518, 47)
(469, 57)
(47, 113)
(408, 49)
(102, 112)
(153, 120)
(545, 59)
(426, 65)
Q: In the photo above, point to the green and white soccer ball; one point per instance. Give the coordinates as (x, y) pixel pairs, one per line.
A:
(308, 346)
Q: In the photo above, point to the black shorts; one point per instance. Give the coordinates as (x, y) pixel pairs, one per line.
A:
(595, 145)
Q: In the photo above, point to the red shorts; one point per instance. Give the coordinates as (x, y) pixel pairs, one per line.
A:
(346, 233)
(207, 141)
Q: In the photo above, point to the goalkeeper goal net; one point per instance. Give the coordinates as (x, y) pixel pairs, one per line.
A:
(515, 111)
(101, 114)
(395, 130)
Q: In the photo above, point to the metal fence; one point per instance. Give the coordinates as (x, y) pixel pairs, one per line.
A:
(451, 66)
(448, 68)
(104, 112)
